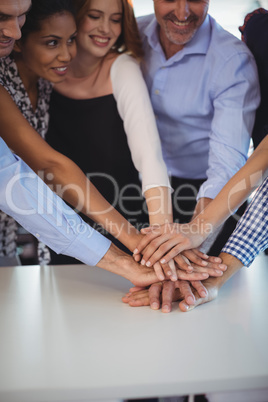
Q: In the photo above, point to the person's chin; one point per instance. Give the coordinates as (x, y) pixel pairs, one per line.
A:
(5, 50)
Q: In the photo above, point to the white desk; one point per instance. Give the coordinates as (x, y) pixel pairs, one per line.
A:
(66, 336)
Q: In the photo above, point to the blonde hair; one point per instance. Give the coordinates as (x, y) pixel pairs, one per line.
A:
(129, 41)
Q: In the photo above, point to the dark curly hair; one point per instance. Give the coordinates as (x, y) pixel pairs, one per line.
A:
(42, 9)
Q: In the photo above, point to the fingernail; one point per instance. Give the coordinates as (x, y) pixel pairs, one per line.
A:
(205, 275)
(166, 309)
(142, 262)
(204, 263)
(169, 273)
(148, 264)
(203, 293)
(173, 278)
(135, 251)
(190, 300)
(161, 277)
(154, 306)
(223, 266)
(217, 259)
(219, 272)
(163, 261)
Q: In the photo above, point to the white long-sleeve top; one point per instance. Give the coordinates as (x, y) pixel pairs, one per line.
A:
(134, 107)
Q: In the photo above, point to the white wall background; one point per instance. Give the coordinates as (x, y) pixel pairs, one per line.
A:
(229, 13)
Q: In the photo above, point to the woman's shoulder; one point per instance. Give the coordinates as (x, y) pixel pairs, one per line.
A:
(9, 77)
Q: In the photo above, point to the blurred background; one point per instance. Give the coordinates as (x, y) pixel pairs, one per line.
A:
(229, 13)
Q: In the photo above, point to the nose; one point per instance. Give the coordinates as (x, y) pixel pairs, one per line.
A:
(65, 54)
(12, 29)
(182, 10)
(104, 26)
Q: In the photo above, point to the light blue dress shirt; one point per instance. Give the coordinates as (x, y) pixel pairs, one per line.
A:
(204, 98)
(27, 199)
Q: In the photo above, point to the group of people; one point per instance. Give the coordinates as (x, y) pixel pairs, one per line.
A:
(109, 111)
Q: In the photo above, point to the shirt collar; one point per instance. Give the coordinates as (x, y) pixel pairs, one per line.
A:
(198, 45)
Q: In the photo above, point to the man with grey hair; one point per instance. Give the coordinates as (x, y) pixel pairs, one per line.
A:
(204, 89)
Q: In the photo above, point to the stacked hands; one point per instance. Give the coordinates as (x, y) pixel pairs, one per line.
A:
(171, 250)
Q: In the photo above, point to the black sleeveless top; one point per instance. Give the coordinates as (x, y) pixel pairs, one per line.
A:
(91, 133)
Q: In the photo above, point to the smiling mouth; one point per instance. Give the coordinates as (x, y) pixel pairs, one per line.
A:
(60, 69)
(6, 41)
(181, 24)
(100, 40)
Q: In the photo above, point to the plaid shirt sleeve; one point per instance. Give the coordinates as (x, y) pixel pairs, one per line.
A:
(250, 236)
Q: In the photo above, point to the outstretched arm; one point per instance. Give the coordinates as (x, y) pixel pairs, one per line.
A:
(169, 240)
(62, 175)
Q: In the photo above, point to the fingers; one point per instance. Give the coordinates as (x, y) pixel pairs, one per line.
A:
(196, 256)
(211, 269)
(159, 271)
(146, 240)
(200, 288)
(211, 290)
(215, 259)
(184, 306)
(170, 271)
(157, 248)
(183, 263)
(136, 289)
(167, 296)
(137, 299)
(137, 257)
(186, 292)
(155, 295)
(194, 276)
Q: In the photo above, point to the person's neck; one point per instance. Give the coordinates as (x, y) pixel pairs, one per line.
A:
(84, 66)
(168, 47)
(29, 80)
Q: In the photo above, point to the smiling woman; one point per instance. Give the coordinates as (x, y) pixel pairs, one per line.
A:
(43, 54)
(101, 116)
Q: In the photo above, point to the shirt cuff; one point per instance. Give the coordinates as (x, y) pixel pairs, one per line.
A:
(210, 189)
(89, 246)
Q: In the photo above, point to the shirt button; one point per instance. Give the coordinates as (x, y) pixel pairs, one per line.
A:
(157, 92)
(37, 235)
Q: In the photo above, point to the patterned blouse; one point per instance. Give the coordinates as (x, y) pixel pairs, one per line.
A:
(38, 119)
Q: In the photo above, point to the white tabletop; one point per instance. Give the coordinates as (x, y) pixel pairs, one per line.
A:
(65, 335)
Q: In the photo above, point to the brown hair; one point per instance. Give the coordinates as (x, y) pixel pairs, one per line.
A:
(129, 41)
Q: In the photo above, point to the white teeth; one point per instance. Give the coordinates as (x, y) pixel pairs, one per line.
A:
(61, 68)
(181, 24)
(101, 40)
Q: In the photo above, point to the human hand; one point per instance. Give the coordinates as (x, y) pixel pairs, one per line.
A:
(120, 263)
(164, 293)
(182, 268)
(167, 240)
(212, 289)
(212, 266)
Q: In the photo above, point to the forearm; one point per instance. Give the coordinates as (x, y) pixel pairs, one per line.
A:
(233, 265)
(70, 183)
(159, 205)
(236, 191)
